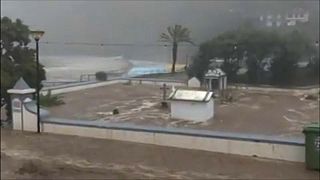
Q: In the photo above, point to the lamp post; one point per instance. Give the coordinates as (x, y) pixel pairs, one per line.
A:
(36, 36)
(235, 49)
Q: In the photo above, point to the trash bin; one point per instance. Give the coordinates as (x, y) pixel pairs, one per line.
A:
(312, 144)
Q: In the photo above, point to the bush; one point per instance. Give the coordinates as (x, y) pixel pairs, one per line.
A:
(311, 97)
(50, 100)
(313, 68)
(115, 111)
(101, 76)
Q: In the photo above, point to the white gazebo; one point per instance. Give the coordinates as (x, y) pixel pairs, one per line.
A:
(197, 106)
(215, 80)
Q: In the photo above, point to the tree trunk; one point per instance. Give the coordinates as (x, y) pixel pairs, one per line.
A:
(174, 56)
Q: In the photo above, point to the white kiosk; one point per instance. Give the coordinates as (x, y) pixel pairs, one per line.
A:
(197, 106)
(24, 109)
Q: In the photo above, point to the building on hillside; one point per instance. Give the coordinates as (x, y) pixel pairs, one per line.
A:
(291, 18)
(297, 16)
(191, 105)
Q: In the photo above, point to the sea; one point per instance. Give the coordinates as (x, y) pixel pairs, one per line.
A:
(68, 62)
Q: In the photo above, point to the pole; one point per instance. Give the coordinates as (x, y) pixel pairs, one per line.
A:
(164, 94)
(38, 85)
(187, 59)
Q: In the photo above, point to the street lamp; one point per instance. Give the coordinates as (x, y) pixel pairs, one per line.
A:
(235, 46)
(36, 36)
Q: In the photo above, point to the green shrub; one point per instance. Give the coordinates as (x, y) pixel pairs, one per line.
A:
(115, 111)
(50, 100)
(101, 76)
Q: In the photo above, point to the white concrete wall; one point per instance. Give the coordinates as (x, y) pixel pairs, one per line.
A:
(193, 111)
(293, 153)
(101, 84)
(24, 120)
(17, 120)
(273, 89)
(159, 83)
(82, 87)
(30, 121)
(76, 130)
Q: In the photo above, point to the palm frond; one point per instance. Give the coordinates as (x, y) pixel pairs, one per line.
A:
(187, 40)
(177, 34)
(165, 38)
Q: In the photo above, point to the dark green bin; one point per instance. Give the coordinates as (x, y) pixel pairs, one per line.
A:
(312, 143)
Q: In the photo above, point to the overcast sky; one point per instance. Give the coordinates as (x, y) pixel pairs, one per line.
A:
(127, 21)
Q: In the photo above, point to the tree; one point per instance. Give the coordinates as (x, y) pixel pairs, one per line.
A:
(17, 59)
(283, 67)
(175, 35)
(269, 56)
(313, 68)
(223, 47)
(294, 46)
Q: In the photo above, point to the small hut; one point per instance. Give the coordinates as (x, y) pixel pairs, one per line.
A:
(197, 106)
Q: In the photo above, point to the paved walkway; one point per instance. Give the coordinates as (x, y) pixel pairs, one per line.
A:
(30, 155)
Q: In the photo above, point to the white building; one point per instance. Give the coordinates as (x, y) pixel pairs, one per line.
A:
(197, 106)
(297, 15)
(215, 80)
(291, 18)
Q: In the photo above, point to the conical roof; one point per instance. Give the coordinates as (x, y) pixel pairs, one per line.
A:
(21, 84)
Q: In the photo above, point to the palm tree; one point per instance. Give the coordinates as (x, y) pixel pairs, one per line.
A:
(176, 34)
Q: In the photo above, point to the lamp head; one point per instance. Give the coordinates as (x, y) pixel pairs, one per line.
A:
(37, 34)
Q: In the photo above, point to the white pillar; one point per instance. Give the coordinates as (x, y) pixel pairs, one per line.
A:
(17, 114)
(210, 84)
(220, 83)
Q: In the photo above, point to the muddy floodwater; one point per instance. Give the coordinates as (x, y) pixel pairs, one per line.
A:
(269, 113)
(48, 156)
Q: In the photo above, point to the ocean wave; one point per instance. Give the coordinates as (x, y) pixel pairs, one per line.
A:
(72, 67)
